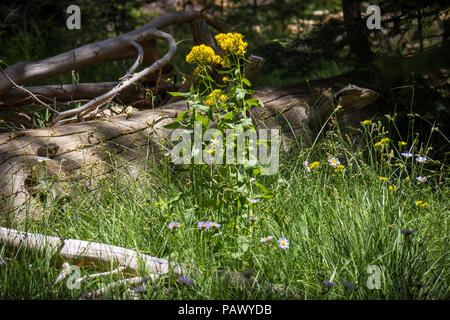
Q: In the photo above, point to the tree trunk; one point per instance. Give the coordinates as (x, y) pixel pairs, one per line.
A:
(356, 31)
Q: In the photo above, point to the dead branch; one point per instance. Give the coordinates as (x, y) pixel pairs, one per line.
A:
(102, 255)
(99, 101)
(73, 93)
(107, 50)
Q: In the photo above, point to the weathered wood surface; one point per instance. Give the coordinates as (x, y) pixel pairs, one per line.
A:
(84, 152)
(130, 262)
(89, 253)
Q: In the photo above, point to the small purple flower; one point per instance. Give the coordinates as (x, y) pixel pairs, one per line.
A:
(204, 225)
(407, 154)
(306, 165)
(253, 201)
(421, 179)
(421, 159)
(348, 285)
(185, 280)
(265, 239)
(173, 225)
(215, 225)
(329, 284)
(140, 289)
(1, 261)
(283, 243)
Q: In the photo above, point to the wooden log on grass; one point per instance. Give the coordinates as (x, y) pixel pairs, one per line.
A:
(129, 262)
(43, 160)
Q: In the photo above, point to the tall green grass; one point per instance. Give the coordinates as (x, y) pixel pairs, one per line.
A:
(338, 224)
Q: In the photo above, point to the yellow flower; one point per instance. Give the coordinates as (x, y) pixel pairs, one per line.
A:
(382, 142)
(393, 188)
(225, 79)
(340, 167)
(215, 93)
(209, 102)
(223, 97)
(314, 164)
(383, 179)
(366, 123)
(402, 143)
(203, 55)
(232, 43)
(420, 203)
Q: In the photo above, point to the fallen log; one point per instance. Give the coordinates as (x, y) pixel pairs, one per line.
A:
(43, 160)
(130, 262)
(16, 98)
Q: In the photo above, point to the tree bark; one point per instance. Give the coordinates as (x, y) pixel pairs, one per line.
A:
(356, 31)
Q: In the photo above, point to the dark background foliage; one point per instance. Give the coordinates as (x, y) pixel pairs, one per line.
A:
(299, 39)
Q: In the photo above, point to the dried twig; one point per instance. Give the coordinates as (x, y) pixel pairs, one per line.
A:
(28, 92)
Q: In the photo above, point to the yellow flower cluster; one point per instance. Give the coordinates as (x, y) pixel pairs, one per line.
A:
(214, 94)
(420, 203)
(393, 188)
(381, 143)
(232, 43)
(203, 55)
(366, 123)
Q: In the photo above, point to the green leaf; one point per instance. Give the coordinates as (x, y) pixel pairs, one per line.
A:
(247, 82)
(227, 116)
(173, 125)
(182, 115)
(252, 102)
(202, 119)
(179, 94)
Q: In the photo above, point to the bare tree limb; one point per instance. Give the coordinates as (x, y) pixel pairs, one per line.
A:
(107, 50)
(97, 102)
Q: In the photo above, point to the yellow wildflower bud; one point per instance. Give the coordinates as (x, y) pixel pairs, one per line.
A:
(314, 164)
